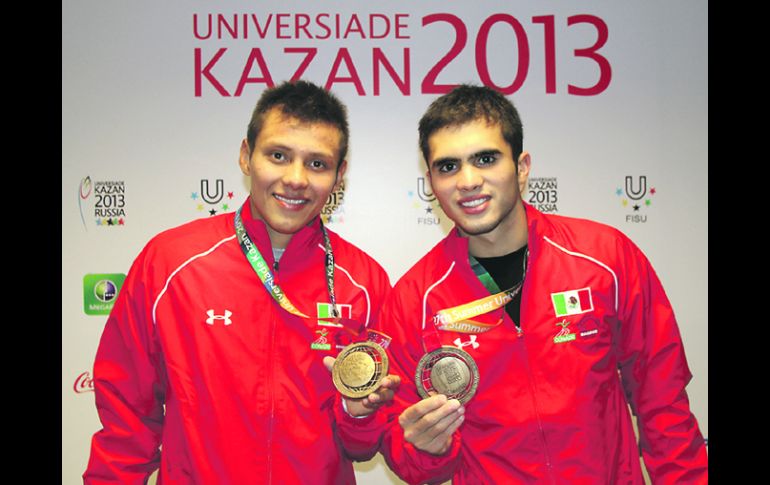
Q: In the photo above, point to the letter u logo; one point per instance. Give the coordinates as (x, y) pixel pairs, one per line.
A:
(636, 194)
(424, 195)
(218, 195)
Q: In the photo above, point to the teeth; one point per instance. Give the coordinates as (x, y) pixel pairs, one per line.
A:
(474, 202)
(291, 201)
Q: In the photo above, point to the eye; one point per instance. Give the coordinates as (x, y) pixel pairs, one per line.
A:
(318, 164)
(486, 159)
(278, 156)
(447, 167)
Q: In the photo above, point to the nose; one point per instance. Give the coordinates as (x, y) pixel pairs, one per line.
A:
(295, 175)
(468, 178)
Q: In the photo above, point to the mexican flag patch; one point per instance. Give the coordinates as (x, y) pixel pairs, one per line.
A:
(573, 302)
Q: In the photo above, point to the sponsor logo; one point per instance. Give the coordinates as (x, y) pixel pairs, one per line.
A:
(334, 209)
(424, 204)
(84, 383)
(212, 197)
(321, 343)
(212, 317)
(100, 292)
(573, 302)
(324, 310)
(542, 193)
(102, 201)
(565, 334)
(588, 327)
(636, 197)
(472, 342)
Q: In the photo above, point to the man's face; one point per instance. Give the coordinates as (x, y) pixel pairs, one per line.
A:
(293, 169)
(474, 177)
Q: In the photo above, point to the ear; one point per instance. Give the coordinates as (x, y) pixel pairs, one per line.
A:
(340, 175)
(524, 165)
(245, 158)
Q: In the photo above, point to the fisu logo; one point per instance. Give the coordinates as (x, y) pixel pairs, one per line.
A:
(226, 317)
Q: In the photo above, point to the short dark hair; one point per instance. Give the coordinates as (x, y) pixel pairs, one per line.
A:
(467, 103)
(306, 102)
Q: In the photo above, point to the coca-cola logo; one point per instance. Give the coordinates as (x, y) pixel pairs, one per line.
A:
(84, 383)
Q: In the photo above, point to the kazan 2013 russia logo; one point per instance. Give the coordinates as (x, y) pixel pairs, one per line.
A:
(425, 203)
(102, 201)
(334, 210)
(212, 200)
(636, 196)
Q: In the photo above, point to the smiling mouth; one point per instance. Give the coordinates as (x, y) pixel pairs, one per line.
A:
(291, 202)
(470, 204)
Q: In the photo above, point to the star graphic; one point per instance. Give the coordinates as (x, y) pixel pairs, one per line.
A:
(652, 191)
(636, 207)
(647, 202)
(212, 212)
(415, 205)
(625, 203)
(410, 193)
(619, 192)
(428, 210)
(194, 196)
(121, 222)
(98, 222)
(200, 207)
(109, 222)
(229, 195)
(225, 207)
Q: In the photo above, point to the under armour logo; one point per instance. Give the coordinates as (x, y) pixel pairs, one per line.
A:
(462, 344)
(225, 317)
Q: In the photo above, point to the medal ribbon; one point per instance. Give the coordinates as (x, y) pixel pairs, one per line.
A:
(262, 269)
(460, 318)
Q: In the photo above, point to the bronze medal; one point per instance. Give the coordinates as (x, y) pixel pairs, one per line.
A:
(359, 369)
(449, 371)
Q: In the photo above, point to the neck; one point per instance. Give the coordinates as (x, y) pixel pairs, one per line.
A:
(278, 240)
(510, 235)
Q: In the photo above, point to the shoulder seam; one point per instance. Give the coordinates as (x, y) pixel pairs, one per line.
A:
(430, 288)
(178, 269)
(593, 260)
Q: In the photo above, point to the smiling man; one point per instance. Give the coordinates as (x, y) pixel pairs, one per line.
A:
(215, 348)
(522, 337)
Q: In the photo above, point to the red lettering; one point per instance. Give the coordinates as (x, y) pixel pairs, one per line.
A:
(195, 27)
(262, 32)
(323, 26)
(279, 26)
(344, 56)
(429, 85)
(301, 21)
(605, 70)
(379, 58)
(206, 72)
(351, 28)
(481, 52)
(310, 54)
(255, 56)
(550, 51)
(399, 26)
(372, 34)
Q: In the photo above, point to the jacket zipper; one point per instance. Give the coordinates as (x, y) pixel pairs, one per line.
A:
(530, 379)
(270, 388)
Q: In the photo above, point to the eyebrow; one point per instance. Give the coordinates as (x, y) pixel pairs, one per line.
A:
(481, 153)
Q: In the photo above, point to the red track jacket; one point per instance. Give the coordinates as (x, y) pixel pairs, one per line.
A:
(247, 400)
(546, 410)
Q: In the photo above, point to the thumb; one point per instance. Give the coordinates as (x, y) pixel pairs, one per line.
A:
(329, 362)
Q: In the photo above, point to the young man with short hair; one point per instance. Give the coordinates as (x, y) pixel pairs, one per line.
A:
(529, 333)
(215, 348)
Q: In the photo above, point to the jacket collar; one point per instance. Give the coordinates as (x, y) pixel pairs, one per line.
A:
(301, 244)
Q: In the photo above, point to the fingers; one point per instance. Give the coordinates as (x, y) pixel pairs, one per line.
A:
(329, 362)
(429, 424)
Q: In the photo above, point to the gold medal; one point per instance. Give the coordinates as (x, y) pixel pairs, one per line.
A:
(359, 369)
(449, 371)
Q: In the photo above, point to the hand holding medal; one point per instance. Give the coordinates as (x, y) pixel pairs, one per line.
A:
(360, 374)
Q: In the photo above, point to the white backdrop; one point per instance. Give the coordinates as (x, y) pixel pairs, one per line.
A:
(156, 101)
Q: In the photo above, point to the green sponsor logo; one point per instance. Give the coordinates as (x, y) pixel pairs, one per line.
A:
(317, 346)
(564, 338)
(100, 292)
